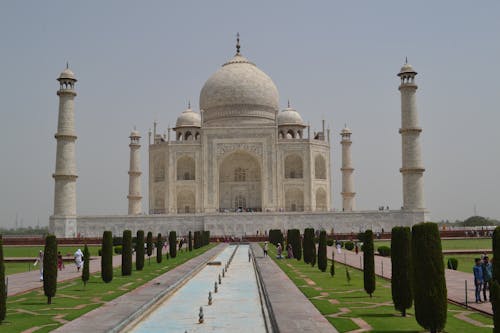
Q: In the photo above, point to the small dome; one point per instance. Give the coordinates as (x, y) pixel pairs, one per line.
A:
(289, 116)
(188, 118)
(346, 130)
(407, 68)
(135, 134)
(67, 74)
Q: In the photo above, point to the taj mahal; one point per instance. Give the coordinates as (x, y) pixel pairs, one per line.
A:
(240, 166)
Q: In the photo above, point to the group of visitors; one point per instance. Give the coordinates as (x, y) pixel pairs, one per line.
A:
(483, 274)
(78, 257)
(279, 250)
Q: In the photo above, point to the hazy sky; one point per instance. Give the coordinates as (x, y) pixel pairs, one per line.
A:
(143, 60)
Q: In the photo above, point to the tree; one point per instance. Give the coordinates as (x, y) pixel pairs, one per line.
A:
(159, 245)
(368, 263)
(401, 259)
(332, 268)
(429, 285)
(139, 250)
(127, 253)
(149, 245)
(495, 304)
(313, 252)
(477, 221)
(496, 254)
(172, 242)
(190, 241)
(86, 263)
(308, 244)
(107, 257)
(322, 259)
(50, 267)
(3, 291)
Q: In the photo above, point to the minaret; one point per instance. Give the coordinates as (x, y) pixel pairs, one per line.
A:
(348, 202)
(134, 186)
(63, 220)
(412, 169)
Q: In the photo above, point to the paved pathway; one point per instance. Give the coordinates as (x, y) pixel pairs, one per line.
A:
(292, 310)
(455, 280)
(113, 316)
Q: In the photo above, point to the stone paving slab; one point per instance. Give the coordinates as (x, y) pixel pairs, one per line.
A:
(292, 310)
(455, 280)
(110, 316)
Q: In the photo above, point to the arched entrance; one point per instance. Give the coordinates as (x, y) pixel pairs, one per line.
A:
(240, 183)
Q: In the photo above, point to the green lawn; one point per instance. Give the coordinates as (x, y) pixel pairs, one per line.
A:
(465, 261)
(32, 251)
(455, 244)
(72, 299)
(331, 295)
(18, 267)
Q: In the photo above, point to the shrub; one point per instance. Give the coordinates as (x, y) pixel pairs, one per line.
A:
(322, 259)
(384, 251)
(429, 285)
(172, 243)
(117, 240)
(3, 291)
(86, 264)
(149, 245)
(107, 257)
(118, 249)
(401, 262)
(50, 268)
(452, 263)
(139, 250)
(329, 242)
(349, 245)
(369, 263)
(127, 253)
(190, 241)
(159, 246)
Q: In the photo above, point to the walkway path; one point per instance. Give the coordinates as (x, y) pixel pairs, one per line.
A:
(114, 315)
(292, 310)
(455, 280)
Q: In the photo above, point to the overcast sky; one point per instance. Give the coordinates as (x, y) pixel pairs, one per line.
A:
(140, 61)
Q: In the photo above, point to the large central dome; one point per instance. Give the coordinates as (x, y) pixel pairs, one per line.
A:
(239, 93)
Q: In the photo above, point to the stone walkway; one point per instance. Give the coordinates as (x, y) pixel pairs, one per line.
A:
(292, 310)
(116, 314)
(455, 280)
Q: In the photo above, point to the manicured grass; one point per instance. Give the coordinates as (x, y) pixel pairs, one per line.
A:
(465, 261)
(72, 299)
(454, 244)
(32, 251)
(330, 295)
(19, 267)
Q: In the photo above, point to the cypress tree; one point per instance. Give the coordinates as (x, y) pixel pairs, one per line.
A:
(495, 304)
(429, 285)
(322, 259)
(196, 243)
(3, 291)
(127, 253)
(297, 244)
(139, 250)
(50, 267)
(402, 295)
(313, 252)
(149, 245)
(86, 263)
(332, 268)
(107, 257)
(496, 254)
(368, 263)
(308, 244)
(172, 243)
(159, 245)
(190, 241)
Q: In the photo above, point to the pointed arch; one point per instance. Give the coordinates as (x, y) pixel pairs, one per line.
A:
(186, 168)
(319, 167)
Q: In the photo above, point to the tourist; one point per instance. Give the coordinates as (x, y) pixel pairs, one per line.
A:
(265, 248)
(487, 276)
(78, 259)
(478, 279)
(338, 246)
(356, 248)
(60, 263)
(289, 251)
(39, 262)
(280, 251)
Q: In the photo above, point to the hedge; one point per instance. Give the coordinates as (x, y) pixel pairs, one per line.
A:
(349, 245)
(384, 251)
(452, 263)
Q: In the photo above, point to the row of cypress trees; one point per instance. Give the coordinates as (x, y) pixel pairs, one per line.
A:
(275, 237)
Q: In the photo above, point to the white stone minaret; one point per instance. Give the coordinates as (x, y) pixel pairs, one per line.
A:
(348, 202)
(412, 169)
(63, 220)
(134, 186)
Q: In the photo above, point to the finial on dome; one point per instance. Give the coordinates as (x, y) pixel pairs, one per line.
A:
(406, 60)
(238, 43)
(67, 64)
(288, 103)
(189, 104)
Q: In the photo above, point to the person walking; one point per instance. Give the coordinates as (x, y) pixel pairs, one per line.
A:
(78, 259)
(39, 262)
(289, 251)
(478, 278)
(265, 248)
(338, 246)
(60, 262)
(280, 251)
(487, 277)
